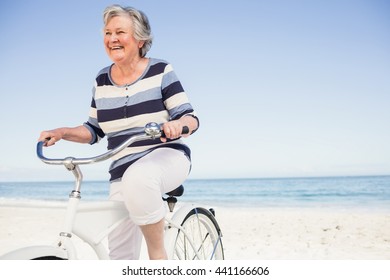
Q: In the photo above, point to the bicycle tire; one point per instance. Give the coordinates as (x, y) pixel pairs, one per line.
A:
(203, 232)
(49, 258)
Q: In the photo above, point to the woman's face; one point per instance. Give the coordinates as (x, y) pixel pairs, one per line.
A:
(119, 42)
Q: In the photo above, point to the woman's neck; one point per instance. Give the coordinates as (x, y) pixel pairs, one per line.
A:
(127, 73)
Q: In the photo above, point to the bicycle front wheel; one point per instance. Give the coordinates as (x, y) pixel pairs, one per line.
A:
(199, 238)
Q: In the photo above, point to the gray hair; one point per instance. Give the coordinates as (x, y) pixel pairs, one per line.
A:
(142, 30)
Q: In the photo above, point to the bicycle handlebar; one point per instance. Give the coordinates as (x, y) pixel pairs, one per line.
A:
(152, 131)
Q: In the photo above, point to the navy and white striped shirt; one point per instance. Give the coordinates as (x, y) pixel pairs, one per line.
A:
(120, 112)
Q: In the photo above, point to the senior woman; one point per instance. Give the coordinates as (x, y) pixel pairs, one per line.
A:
(131, 92)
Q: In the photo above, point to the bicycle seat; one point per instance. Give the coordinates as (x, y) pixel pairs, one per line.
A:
(176, 192)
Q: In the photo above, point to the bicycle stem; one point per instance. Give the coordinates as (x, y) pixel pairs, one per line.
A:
(79, 178)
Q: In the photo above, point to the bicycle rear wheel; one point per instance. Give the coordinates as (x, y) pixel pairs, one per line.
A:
(200, 239)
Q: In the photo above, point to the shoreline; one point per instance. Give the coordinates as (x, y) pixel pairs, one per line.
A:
(380, 208)
(249, 233)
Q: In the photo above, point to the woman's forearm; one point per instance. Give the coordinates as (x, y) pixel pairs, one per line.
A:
(79, 134)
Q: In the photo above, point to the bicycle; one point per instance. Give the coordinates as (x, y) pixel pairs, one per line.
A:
(191, 232)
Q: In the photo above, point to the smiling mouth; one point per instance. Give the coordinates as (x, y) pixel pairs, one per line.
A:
(116, 48)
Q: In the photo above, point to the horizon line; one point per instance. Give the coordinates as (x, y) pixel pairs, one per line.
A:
(216, 178)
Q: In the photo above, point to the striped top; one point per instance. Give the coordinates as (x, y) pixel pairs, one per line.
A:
(120, 112)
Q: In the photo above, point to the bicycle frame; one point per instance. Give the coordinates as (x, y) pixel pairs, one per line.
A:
(92, 222)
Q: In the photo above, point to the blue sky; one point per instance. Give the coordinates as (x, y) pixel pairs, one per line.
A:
(283, 88)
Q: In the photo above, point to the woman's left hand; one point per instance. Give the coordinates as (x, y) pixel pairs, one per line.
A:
(172, 130)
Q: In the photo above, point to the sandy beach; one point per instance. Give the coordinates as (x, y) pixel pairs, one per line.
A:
(248, 233)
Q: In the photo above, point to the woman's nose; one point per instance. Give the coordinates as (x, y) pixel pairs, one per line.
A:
(113, 38)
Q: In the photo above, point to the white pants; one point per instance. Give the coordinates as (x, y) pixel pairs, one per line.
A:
(141, 189)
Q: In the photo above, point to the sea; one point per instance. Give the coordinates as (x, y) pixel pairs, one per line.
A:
(351, 192)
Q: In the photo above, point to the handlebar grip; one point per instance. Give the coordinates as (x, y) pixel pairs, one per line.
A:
(185, 130)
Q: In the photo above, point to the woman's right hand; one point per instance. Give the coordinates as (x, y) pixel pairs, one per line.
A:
(50, 137)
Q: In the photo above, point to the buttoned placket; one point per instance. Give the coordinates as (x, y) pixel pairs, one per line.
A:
(127, 101)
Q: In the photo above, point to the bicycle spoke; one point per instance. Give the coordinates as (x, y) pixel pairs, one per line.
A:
(202, 244)
(216, 245)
